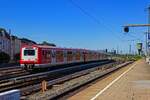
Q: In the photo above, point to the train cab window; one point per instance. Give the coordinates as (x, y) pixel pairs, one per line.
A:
(29, 52)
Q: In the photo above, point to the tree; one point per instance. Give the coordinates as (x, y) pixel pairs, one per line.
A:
(25, 40)
(47, 43)
(4, 57)
(17, 57)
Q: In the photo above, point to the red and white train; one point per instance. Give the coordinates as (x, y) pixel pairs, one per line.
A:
(37, 56)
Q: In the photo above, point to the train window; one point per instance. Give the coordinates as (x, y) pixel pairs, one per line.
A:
(90, 55)
(59, 53)
(29, 52)
(77, 53)
(69, 53)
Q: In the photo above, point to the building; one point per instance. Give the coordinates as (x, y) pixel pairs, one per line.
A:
(5, 41)
(11, 44)
(15, 46)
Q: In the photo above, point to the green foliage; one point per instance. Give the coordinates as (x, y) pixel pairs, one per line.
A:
(17, 57)
(133, 57)
(4, 58)
(47, 43)
(127, 57)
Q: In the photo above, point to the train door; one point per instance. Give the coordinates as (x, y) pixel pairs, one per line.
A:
(86, 56)
(53, 57)
(83, 55)
(93, 56)
(69, 56)
(74, 55)
(99, 56)
(77, 56)
(48, 57)
(65, 56)
(90, 56)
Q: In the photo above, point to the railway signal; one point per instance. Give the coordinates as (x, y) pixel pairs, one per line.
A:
(147, 38)
(126, 29)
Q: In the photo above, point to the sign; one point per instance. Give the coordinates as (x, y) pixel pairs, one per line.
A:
(10, 95)
(139, 46)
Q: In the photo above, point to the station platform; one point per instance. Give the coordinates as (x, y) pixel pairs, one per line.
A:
(129, 83)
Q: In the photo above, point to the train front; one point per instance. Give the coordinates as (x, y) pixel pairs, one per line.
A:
(28, 57)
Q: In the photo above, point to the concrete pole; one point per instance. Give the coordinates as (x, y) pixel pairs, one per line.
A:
(148, 35)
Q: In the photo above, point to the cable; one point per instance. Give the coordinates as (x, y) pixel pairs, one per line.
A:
(93, 18)
(134, 37)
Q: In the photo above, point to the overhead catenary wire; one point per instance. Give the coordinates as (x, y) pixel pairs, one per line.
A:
(94, 19)
(100, 22)
(134, 37)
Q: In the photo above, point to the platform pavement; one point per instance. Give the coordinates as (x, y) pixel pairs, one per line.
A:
(129, 83)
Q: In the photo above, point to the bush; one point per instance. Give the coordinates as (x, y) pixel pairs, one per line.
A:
(4, 57)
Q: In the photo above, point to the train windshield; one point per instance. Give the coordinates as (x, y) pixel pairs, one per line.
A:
(29, 52)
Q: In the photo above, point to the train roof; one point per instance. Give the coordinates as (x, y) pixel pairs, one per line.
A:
(61, 48)
(49, 47)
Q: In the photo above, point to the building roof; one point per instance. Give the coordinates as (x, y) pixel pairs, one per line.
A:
(25, 40)
(14, 37)
(4, 33)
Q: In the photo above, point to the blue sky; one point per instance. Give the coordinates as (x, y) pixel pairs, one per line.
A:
(62, 23)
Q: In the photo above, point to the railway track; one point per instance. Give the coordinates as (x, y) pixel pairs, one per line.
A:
(25, 81)
(10, 72)
(67, 83)
(16, 71)
(9, 68)
(30, 84)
